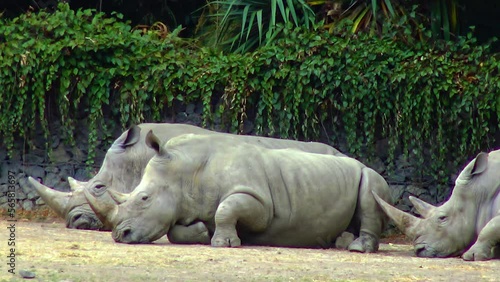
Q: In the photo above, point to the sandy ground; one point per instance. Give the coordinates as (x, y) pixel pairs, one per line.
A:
(54, 253)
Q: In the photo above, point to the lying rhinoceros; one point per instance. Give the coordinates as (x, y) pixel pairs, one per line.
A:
(123, 167)
(468, 222)
(247, 193)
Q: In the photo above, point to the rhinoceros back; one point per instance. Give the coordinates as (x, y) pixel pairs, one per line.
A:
(312, 197)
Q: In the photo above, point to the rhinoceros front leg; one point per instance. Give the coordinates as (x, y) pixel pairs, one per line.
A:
(371, 217)
(196, 233)
(241, 208)
(487, 241)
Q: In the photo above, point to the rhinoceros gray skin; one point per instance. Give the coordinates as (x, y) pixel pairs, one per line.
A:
(467, 224)
(123, 166)
(242, 192)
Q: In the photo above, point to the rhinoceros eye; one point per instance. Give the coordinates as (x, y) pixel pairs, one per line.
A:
(442, 218)
(99, 186)
(145, 198)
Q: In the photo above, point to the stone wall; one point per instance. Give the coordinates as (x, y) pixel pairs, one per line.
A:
(67, 161)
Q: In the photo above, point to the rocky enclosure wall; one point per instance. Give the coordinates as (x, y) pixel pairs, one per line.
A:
(67, 161)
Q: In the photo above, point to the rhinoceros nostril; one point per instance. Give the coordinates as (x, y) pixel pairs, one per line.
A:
(126, 233)
(419, 251)
(125, 236)
(76, 218)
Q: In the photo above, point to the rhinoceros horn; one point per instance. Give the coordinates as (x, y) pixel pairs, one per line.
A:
(117, 196)
(76, 185)
(104, 209)
(404, 221)
(423, 208)
(57, 200)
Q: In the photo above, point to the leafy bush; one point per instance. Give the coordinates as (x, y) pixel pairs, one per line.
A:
(82, 59)
(438, 103)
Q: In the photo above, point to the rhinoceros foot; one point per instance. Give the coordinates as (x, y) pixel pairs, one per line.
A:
(478, 252)
(365, 243)
(344, 240)
(228, 240)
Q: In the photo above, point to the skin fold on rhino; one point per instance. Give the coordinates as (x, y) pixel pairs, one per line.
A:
(250, 194)
(467, 224)
(123, 167)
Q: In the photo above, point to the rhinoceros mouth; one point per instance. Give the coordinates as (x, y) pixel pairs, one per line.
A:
(125, 233)
(425, 251)
(83, 220)
(422, 250)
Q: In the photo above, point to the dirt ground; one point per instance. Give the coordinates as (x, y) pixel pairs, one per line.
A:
(54, 253)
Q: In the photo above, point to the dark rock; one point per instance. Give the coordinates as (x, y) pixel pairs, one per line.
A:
(4, 173)
(248, 127)
(53, 169)
(27, 205)
(3, 198)
(54, 181)
(193, 119)
(376, 164)
(3, 154)
(190, 108)
(77, 155)
(99, 156)
(32, 159)
(181, 117)
(404, 207)
(4, 188)
(39, 202)
(396, 192)
(416, 190)
(83, 145)
(396, 178)
(21, 175)
(32, 195)
(34, 171)
(382, 148)
(14, 167)
(55, 140)
(66, 170)
(25, 185)
(404, 167)
(199, 108)
(59, 155)
(39, 141)
(27, 274)
(20, 195)
(15, 155)
(82, 174)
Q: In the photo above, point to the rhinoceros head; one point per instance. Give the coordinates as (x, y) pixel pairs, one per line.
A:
(449, 229)
(121, 170)
(148, 212)
(71, 205)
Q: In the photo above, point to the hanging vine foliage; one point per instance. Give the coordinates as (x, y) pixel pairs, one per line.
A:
(438, 103)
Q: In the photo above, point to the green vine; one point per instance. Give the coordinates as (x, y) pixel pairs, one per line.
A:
(437, 104)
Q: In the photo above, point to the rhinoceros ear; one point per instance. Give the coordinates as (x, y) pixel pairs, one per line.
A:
(480, 164)
(133, 136)
(153, 142)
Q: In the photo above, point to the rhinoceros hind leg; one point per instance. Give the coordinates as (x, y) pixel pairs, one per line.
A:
(365, 243)
(372, 220)
(486, 246)
(241, 208)
(196, 233)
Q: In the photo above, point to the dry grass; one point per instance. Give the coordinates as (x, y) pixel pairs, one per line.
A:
(55, 253)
